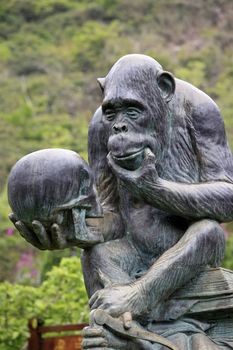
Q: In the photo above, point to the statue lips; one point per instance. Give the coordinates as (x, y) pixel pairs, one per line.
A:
(131, 160)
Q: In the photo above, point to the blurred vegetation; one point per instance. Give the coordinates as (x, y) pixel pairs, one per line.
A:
(60, 299)
(52, 51)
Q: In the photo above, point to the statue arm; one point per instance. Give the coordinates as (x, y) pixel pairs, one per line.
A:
(212, 200)
(212, 197)
(202, 244)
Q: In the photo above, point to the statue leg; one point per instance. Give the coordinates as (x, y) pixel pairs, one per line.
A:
(189, 342)
(108, 263)
(116, 261)
(200, 341)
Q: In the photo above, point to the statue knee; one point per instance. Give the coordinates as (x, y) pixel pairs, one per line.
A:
(97, 256)
(212, 236)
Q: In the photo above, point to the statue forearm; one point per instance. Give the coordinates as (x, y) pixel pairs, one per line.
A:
(203, 244)
(212, 200)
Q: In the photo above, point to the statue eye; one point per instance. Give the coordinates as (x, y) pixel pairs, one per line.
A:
(133, 112)
(109, 114)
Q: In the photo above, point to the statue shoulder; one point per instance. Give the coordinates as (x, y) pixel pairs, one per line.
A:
(203, 112)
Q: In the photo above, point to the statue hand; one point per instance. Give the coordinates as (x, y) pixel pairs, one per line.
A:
(135, 178)
(38, 236)
(96, 337)
(119, 299)
(99, 337)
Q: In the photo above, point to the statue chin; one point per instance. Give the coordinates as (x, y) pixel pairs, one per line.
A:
(130, 162)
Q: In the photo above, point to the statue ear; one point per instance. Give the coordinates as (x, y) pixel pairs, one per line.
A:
(101, 82)
(167, 85)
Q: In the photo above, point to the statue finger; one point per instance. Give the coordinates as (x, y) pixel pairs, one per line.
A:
(94, 342)
(13, 218)
(101, 304)
(110, 309)
(127, 320)
(93, 299)
(41, 234)
(27, 234)
(149, 157)
(95, 305)
(93, 332)
(58, 238)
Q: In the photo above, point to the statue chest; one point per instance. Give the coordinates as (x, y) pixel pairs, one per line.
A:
(151, 230)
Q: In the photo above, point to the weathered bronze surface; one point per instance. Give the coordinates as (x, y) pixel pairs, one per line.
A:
(164, 175)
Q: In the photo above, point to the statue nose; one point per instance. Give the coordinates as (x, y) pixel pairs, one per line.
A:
(120, 127)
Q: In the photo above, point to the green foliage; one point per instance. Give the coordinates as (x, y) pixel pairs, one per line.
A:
(193, 73)
(64, 286)
(228, 261)
(96, 45)
(17, 304)
(60, 299)
(5, 53)
(4, 210)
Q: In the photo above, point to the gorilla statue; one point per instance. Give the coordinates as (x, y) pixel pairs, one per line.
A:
(164, 177)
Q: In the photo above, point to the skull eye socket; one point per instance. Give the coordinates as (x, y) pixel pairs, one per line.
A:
(85, 182)
(85, 190)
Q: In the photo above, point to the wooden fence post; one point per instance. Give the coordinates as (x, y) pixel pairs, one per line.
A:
(35, 339)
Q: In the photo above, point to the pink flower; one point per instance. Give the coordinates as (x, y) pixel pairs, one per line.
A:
(9, 231)
(33, 273)
(25, 261)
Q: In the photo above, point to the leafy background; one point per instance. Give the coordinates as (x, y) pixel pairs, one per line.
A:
(51, 52)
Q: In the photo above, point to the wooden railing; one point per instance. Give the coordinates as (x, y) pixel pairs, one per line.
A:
(41, 340)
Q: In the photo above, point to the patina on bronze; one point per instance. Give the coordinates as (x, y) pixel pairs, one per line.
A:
(164, 176)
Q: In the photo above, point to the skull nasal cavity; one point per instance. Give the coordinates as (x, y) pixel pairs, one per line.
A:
(120, 127)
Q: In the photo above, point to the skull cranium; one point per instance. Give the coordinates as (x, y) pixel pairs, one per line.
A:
(52, 183)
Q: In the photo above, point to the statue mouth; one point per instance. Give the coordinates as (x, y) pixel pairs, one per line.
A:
(131, 160)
